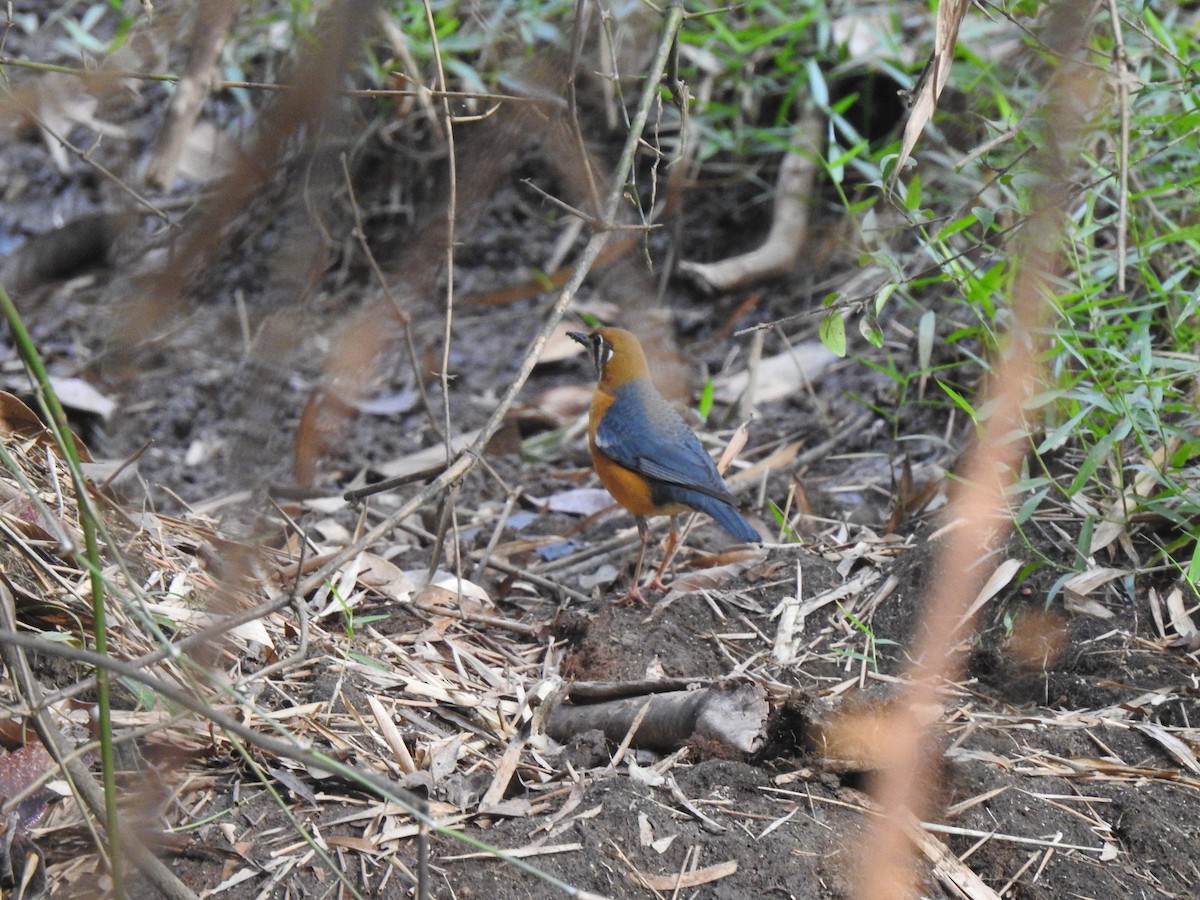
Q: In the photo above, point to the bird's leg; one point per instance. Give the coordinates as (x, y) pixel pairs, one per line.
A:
(635, 593)
(669, 548)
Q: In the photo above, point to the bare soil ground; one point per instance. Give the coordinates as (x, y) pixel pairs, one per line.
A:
(1070, 747)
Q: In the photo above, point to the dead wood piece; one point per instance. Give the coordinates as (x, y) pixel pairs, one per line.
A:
(789, 227)
(213, 21)
(595, 691)
(733, 717)
(60, 253)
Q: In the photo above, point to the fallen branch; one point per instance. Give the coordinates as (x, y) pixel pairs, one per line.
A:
(733, 717)
(789, 224)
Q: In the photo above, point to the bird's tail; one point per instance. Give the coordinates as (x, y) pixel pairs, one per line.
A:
(726, 516)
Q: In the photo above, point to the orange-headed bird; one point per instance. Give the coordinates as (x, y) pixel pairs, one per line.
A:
(645, 454)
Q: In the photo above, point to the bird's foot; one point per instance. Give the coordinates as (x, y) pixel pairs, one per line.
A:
(655, 584)
(632, 596)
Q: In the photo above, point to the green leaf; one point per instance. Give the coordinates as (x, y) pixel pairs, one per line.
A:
(785, 529)
(706, 400)
(912, 194)
(1099, 452)
(868, 327)
(1029, 507)
(833, 333)
(959, 400)
(1193, 569)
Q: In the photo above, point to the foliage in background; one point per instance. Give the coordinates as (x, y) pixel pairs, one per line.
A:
(1120, 397)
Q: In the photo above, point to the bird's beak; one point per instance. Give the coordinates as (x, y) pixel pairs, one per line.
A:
(591, 343)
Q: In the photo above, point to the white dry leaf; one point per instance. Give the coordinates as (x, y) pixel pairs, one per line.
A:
(253, 631)
(580, 501)
(425, 460)
(331, 532)
(1174, 745)
(208, 154)
(1078, 587)
(446, 587)
(737, 443)
(244, 874)
(645, 776)
(1180, 620)
(861, 580)
(779, 377)
(661, 845)
(605, 575)
(75, 393)
(385, 578)
(328, 505)
(347, 579)
(1004, 573)
(1116, 515)
(789, 633)
(645, 830)
(442, 757)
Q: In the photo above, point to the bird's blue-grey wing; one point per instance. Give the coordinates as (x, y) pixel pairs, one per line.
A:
(643, 433)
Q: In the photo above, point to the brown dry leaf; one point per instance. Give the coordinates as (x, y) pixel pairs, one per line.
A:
(447, 589)
(695, 878)
(736, 445)
(349, 842)
(19, 770)
(1003, 574)
(776, 460)
(714, 577)
(949, 17)
(17, 418)
(1077, 588)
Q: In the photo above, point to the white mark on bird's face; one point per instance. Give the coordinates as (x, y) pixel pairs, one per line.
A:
(602, 352)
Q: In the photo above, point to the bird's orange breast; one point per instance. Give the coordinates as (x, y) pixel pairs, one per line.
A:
(629, 488)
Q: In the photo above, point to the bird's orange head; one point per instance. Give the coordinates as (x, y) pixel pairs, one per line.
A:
(617, 355)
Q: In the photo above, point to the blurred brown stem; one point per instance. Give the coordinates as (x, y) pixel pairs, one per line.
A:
(907, 784)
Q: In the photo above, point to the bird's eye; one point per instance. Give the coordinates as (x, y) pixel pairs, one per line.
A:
(602, 352)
